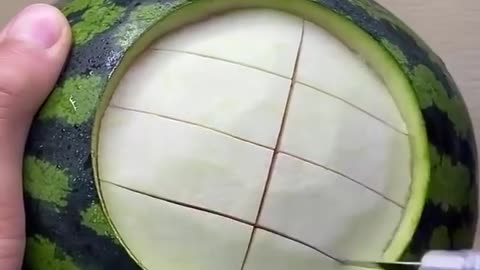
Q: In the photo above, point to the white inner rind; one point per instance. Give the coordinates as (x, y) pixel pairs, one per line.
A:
(176, 237)
(209, 157)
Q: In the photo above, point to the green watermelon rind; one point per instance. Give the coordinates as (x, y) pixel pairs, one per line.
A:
(62, 141)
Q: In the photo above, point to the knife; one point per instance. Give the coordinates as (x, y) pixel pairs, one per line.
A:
(432, 260)
(385, 265)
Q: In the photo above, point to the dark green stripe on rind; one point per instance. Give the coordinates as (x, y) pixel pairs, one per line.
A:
(455, 222)
(66, 218)
(77, 227)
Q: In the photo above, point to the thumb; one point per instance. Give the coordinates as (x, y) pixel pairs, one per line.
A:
(33, 48)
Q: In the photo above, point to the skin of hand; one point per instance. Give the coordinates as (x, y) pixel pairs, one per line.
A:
(33, 49)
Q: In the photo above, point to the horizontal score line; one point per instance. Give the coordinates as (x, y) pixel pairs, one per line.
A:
(345, 176)
(213, 212)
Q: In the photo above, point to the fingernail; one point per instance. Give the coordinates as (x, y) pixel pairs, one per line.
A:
(39, 25)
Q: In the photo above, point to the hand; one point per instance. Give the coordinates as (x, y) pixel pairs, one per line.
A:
(33, 49)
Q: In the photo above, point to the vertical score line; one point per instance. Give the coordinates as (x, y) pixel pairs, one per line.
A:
(276, 150)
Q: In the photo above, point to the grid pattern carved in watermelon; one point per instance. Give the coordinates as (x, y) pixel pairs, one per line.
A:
(293, 157)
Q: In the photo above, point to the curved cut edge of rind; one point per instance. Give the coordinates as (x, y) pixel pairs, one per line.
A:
(453, 189)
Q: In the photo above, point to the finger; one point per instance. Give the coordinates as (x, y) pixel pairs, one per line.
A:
(32, 53)
(33, 49)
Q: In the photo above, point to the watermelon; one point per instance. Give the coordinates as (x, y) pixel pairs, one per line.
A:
(247, 134)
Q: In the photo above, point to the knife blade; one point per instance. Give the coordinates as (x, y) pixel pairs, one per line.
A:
(385, 265)
(432, 260)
